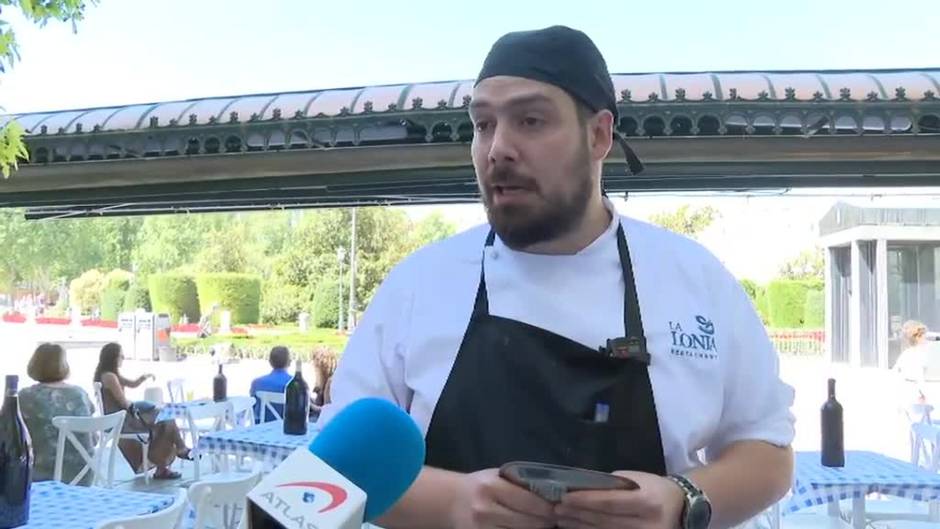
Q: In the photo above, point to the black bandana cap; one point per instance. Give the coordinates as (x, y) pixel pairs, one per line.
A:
(563, 57)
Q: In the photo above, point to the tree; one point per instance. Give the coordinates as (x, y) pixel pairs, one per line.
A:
(686, 221)
(810, 264)
(39, 12)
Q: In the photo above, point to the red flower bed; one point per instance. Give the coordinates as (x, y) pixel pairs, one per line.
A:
(53, 321)
(189, 327)
(14, 317)
(105, 324)
(239, 330)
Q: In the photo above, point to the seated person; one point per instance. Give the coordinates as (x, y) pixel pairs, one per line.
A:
(918, 367)
(52, 397)
(275, 382)
(166, 443)
(324, 364)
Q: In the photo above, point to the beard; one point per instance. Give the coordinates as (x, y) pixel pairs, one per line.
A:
(553, 214)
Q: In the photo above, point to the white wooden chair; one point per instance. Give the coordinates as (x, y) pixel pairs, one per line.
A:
(219, 500)
(242, 412)
(241, 415)
(107, 430)
(167, 518)
(141, 438)
(268, 398)
(218, 412)
(176, 390)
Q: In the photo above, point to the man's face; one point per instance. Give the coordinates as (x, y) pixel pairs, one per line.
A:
(533, 159)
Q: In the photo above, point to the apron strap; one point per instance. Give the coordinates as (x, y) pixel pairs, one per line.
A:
(481, 306)
(631, 347)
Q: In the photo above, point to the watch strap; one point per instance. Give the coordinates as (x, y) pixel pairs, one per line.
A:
(692, 492)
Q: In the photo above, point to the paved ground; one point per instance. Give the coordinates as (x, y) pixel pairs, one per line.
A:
(871, 418)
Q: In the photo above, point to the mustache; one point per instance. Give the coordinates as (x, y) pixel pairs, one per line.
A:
(504, 177)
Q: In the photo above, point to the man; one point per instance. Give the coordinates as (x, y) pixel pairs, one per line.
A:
(275, 382)
(564, 333)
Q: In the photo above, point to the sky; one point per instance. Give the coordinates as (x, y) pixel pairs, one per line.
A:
(140, 51)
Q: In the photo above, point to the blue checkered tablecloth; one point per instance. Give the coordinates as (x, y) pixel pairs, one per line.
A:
(177, 410)
(55, 504)
(864, 473)
(265, 442)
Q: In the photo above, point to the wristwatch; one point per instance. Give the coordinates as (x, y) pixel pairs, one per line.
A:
(697, 511)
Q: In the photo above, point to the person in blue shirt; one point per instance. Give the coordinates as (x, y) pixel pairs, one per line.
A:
(275, 381)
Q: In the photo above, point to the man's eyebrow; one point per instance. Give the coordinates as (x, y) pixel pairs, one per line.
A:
(517, 101)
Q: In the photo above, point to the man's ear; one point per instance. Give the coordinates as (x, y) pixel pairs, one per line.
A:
(601, 134)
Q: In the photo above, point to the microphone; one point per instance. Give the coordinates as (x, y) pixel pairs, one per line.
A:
(354, 470)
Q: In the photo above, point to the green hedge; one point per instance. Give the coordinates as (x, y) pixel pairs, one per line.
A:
(324, 310)
(112, 301)
(238, 293)
(174, 294)
(137, 297)
(282, 302)
(814, 311)
(786, 302)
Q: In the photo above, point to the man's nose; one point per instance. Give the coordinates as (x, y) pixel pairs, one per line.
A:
(502, 146)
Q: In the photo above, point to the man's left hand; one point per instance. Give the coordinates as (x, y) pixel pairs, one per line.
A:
(657, 504)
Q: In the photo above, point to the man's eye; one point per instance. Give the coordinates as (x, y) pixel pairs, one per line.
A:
(481, 126)
(531, 121)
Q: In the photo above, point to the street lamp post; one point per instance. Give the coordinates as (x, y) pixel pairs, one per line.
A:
(340, 257)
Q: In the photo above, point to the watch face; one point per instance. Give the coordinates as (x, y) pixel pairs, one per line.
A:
(699, 514)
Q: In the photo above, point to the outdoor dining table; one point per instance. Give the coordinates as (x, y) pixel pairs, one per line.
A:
(864, 473)
(266, 442)
(55, 504)
(177, 410)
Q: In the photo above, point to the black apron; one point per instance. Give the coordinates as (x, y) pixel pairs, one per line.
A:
(519, 392)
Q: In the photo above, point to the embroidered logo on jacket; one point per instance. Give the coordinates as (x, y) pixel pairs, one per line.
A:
(697, 341)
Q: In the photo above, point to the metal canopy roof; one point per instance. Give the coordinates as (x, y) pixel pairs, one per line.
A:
(409, 143)
(844, 216)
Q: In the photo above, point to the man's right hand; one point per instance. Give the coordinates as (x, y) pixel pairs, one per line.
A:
(485, 500)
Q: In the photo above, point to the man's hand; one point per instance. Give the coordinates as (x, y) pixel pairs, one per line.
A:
(657, 504)
(484, 499)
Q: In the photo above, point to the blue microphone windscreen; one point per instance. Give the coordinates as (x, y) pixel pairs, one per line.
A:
(377, 446)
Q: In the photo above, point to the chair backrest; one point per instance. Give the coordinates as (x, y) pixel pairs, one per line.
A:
(167, 518)
(154, 394)
(217, 502)
(99, 401)
(175, 389)
(218, 411)
(242, 411)
(268, 398)
(106, 429)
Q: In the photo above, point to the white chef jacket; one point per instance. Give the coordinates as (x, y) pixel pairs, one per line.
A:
(713, 371)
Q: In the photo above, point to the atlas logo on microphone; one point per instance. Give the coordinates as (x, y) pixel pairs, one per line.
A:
(311, 493)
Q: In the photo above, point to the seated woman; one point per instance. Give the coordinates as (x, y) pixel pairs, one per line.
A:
(324, 364)
(52, 397)
(166, 443)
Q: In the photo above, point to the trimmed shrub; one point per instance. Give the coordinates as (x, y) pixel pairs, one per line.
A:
(118, 279)
(786, 301)
(324, 310)
(814, 310)
(85, 290)
(174, 294)
(751, 288)
(238, 293)
(762, 306)
(282, 303)
(137, 297)
(112, 301)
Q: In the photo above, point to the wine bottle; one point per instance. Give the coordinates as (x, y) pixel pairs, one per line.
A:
(219, 386)
(16, 460)
(296, 404)
(833, 451)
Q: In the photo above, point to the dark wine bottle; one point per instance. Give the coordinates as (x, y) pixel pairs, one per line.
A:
(833, 451)
(16, 460)
(219, 386)
(296, 404)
